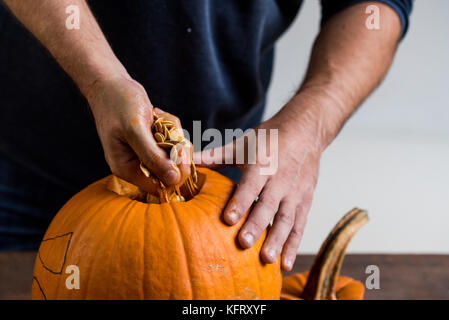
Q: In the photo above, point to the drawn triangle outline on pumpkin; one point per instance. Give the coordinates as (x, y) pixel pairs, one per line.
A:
(49, 244)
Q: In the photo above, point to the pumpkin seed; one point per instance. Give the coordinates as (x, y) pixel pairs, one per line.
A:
(176, 198)
(168, 136)
(157, 119)
(168, 124)
(145, 170)
(175, 136)
(165, 145)
(159, 137)
(174, 154)
(166, 133)
(157, 125)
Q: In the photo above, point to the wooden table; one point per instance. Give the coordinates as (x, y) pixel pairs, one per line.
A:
(401, 276)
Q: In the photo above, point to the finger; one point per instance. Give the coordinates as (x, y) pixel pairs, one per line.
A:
(153, 157)
(279, 232)
(294, 239)
(131, 172)
(247, 190)
(125, 165)
(260, 216)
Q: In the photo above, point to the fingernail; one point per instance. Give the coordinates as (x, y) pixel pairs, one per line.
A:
(288, 263)
(232, 217)
(171, 176)
(271, 254)
(248, 239)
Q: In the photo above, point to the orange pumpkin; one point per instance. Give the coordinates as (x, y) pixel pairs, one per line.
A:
(345, 288)
(127, 249)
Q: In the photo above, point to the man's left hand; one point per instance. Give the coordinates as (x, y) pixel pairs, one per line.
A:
(285, 196)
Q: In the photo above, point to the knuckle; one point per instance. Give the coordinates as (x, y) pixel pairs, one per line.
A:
(252, 186)
(299, 209)
(296, 232)
(256, 226)
(268, 202)
(135, 126)
(155, 163)
(287, 219)
(308, 197)
(152, 159)
(130, 132)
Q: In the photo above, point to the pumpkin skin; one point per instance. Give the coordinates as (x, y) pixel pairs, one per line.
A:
(345, 288)
(126, 249)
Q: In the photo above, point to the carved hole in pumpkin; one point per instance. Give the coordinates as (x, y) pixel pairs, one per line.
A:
(129, 190)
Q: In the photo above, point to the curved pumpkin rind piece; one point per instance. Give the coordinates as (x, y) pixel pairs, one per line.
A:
(323, 281)
(293, 286)
(349, 290)
(346, 288)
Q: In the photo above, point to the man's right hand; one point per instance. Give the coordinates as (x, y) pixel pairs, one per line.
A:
(124, 115)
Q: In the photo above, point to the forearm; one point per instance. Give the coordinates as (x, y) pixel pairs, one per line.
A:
(83, 53)
(348, 62)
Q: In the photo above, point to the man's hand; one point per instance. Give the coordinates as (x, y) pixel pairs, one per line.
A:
(124, 115)
(348, 62)
(284, 197)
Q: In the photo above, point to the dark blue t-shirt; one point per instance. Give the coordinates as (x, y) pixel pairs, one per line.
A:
(202, 60)
(207, 60)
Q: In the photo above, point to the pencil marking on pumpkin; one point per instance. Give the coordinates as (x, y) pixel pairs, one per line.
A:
(70, 234)
(40, 288)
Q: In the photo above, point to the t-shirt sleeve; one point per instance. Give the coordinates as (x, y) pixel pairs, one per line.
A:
(402, 7)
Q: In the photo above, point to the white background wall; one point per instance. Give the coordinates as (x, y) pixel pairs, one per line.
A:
(392, 157)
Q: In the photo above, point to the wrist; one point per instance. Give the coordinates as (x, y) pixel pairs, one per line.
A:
(101, 81)
(317, 112)
(101, 78)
